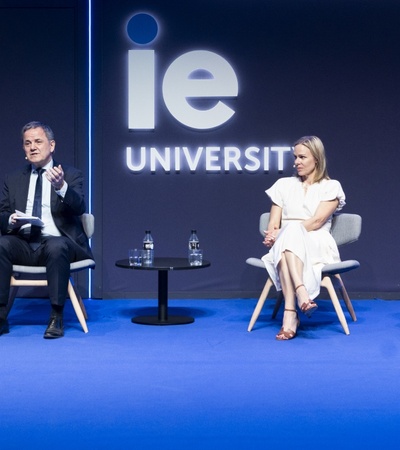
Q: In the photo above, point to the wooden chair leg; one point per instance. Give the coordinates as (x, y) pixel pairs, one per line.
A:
(346, 297)
(327, 283)
(278, 303)
(80, 301)
(81, 304)
(260, 304)
(77, 307)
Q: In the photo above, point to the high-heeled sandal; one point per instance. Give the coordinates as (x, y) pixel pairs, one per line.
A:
(289, 334)
(309, 307)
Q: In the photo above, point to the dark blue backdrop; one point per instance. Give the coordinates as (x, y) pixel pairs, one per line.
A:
(303, 67)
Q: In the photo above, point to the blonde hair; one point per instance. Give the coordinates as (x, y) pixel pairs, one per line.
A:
(316, 147)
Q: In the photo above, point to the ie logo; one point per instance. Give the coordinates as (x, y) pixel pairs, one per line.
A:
(191, 78)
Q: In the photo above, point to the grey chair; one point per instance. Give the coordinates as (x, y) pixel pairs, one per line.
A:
(34, 276)
(346, 228)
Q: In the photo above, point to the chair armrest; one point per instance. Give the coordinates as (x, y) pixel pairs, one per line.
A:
(256, 262)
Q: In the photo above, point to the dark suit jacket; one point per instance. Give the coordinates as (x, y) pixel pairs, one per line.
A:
(65, 211)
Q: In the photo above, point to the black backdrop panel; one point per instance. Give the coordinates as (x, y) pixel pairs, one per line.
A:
(303, 67)
(326, 68)
(43, 75)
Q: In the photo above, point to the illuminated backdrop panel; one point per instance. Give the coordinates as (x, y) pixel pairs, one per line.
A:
(198, 104)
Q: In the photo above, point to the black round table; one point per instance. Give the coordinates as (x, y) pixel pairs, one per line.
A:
(163, 266)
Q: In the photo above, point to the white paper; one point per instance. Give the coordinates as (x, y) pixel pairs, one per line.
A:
(22, 217)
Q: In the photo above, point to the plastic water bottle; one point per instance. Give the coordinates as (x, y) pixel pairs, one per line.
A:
(148, 249)
(193, 250)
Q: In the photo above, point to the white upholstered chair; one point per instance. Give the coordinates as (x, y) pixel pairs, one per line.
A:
(34, 276)
(346, 228)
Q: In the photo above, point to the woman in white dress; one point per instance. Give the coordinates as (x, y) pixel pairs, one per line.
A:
(298, 233)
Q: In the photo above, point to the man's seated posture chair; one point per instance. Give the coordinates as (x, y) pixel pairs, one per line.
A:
(18, 280)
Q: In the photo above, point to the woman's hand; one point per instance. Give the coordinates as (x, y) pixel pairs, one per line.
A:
(271, 234)
(270, 237)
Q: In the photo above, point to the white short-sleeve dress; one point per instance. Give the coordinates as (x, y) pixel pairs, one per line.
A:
(314, 248)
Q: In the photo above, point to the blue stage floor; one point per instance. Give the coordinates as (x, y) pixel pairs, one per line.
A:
(207, 385)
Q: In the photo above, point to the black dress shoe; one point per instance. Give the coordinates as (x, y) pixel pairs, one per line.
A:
(55, 329)
(4, 327)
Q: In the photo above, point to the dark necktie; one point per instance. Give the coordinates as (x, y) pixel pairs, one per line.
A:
(36, 231)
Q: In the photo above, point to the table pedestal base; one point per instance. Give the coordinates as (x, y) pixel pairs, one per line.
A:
(163, 318)
(171, 320)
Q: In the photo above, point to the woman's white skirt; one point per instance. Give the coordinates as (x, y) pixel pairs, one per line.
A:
(314, 248)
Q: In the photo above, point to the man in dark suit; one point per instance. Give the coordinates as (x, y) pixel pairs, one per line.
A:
(59, 240)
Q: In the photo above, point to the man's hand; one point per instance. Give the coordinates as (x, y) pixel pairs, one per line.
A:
(56, 177)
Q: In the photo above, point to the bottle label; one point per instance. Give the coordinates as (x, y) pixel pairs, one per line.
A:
(148, 245)
(193, 245)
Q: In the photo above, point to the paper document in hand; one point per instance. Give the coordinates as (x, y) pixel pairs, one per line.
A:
(22, 217)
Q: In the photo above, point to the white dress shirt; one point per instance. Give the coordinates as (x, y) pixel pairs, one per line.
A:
(49, 227)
